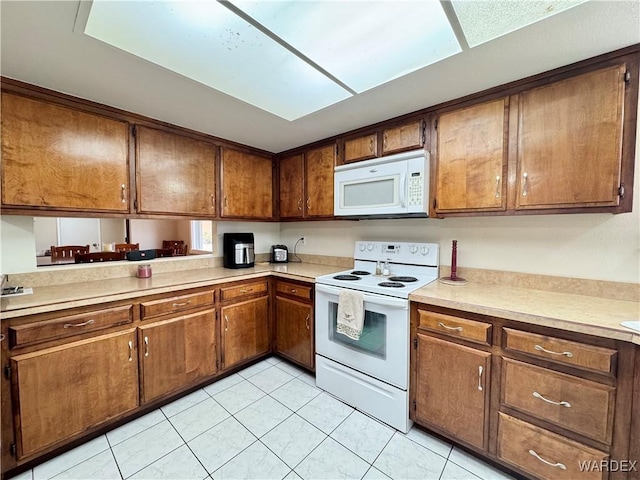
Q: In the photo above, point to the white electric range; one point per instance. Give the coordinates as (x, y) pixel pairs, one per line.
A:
(372, 373)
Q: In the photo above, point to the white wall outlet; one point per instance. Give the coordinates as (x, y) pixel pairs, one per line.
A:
(303, 240)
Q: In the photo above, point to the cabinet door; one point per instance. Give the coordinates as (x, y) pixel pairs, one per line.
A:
(452, 390)
(294, 330)
(175, 174)
(570, 142)
(291, 187)
(320, 165)
(177, 352)
(404, 137)
(63, 391)
(472, 158)
(58, 157)
(361, 148)
(246, 185)
(245, 330)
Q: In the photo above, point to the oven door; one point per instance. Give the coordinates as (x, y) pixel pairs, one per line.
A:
(383, 348)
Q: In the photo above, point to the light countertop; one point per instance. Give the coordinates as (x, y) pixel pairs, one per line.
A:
(58, 297)
(576, 313)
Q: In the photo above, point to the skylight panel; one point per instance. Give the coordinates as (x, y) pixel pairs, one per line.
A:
(362, 43)
(207, 43)
(482, 21)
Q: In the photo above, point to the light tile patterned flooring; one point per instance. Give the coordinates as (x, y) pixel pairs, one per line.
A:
(268, 421)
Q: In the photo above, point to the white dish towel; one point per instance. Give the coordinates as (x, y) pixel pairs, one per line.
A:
(350, 313)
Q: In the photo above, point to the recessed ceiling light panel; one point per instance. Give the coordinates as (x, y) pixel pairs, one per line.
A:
(208, 43)
(362, 43)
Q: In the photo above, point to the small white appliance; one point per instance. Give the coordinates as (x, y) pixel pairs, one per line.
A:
(394, 186)
(372, 373)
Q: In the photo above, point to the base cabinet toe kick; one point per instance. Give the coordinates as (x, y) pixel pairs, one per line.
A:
(541, 402)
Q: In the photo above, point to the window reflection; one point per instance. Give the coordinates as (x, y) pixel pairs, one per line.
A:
(102, 234)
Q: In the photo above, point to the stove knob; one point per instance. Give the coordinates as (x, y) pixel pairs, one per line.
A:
(362, 247)
(413, 248)
(370, 247)
(424, 250)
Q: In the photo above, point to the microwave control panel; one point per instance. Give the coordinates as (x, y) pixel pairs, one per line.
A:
(416, 189)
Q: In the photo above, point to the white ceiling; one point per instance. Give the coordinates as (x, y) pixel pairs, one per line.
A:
(39, 46)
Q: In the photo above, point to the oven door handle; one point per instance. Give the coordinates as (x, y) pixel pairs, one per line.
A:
(382, 300)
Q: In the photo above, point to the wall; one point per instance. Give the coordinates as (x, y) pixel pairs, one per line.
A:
(18, 244)
(150, 233)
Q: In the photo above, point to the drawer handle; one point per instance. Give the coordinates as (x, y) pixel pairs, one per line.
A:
(246, 290)
(457, 329)
(183, 304)
(293, 290)
(146, 346)
(83, 324)
(562, 404)
(226, 319)
(130, 351)
(559, 465)
(123, 196)
(300, 204)
(525, 177)
(497, 186)
(541, 349)
(1, 337)
(306, 321)
(480, 369)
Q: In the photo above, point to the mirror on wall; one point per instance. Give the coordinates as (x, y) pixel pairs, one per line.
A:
(101, 234)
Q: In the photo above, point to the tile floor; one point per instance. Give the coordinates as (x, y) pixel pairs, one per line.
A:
(268, 421)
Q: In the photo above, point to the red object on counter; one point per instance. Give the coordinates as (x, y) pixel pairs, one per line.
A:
(144, 271)
(454, 260)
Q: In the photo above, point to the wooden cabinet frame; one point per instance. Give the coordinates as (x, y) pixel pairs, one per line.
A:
(511, 174)
(622, 381)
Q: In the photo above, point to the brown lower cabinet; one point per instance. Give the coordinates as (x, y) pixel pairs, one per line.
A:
(244, 329)
(294, 327)
(60, 392)
(545, 403)
(176, 352)
(451, 391)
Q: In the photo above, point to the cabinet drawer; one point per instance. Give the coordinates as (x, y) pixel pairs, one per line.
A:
(21, 335)
(227, 293)
(579, 405)
(544, 454)
(479, 332)
(175, 304)
(562, 351)
(294, 289)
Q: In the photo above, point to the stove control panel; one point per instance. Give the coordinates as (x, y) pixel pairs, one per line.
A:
(398, 252)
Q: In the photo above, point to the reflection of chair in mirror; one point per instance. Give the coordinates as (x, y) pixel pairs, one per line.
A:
(100, 257)
(127, 247)
(177, 246)
(67, 252)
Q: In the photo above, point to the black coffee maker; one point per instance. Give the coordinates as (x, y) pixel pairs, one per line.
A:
(238, 250)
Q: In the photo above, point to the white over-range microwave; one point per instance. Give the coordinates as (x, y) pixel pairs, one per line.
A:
(388, 187)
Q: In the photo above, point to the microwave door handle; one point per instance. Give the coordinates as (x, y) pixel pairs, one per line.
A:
(403, 190)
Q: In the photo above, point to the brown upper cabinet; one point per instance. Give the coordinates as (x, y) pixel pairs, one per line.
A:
(570, 141)
(306, 184)
(247, 185)
(555, 147)
(174, 174)
(383, 141)
(472, 158)
(55, 157)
